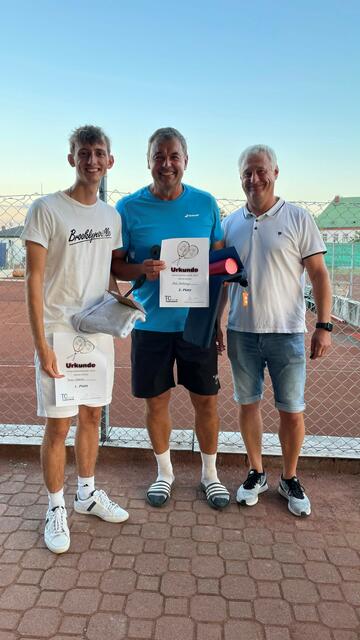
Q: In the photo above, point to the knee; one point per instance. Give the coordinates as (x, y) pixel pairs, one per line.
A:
(291, 421)
(56, 430)
(89, 417)
(157, 407)
(249, 410)
(205, 407)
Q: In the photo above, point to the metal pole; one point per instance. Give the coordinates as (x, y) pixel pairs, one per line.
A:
(103, 189)
(333, 263)
(105, 412)
(352, 265)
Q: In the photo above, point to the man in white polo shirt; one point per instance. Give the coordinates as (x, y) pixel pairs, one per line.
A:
(276, 242)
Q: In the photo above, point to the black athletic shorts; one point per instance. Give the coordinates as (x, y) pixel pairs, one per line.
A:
(153, 355)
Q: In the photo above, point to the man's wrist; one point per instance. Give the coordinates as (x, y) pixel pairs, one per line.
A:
(41, 346)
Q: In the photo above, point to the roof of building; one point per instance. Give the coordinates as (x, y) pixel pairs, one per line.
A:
(341, 213)
(12, 232)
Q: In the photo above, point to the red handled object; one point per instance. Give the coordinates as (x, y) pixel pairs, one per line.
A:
(223, 267)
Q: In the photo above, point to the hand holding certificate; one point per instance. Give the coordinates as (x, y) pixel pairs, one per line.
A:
(185, 281)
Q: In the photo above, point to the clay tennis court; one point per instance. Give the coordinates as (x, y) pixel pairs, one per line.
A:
(333, 399)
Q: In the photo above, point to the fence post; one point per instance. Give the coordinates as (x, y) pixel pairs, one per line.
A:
(333, 263)
(105, 422)
(352, 265)
(103, 189)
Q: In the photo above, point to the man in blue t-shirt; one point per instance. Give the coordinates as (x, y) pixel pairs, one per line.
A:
(169, 209)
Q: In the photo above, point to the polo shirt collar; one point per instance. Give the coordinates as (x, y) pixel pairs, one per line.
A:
(271, 212)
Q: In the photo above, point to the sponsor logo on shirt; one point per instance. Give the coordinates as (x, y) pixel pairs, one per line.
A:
(192, 215)
(89, 235)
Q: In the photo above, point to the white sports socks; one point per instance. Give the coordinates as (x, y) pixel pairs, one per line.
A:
(165, 470)
(85, 487)
(209, 473)
(56, 499)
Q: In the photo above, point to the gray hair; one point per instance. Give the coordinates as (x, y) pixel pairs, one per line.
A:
(255, 149)
(166, 133)
(88, 134)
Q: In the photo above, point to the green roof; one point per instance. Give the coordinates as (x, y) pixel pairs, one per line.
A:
(341, 212)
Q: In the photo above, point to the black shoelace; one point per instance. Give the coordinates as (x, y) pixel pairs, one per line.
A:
(295, 488)
(254, 478)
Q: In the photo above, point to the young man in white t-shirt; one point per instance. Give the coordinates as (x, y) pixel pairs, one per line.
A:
(70, 236)
(276, 242)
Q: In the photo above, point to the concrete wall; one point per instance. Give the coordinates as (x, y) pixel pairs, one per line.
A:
(347, 309)
(344, 308)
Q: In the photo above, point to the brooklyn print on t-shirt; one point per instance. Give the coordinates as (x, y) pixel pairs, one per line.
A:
(88, 236)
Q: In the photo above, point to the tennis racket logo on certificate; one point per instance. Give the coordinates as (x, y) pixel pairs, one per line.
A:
(83, 365)
(185, 281)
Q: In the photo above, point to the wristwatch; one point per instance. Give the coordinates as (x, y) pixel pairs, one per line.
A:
(328, 326)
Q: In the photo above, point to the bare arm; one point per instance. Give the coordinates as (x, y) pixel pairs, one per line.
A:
(321, 288)
(219, 244)
(126, 271)
(35, 269)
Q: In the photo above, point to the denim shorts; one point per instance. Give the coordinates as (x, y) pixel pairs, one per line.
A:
(284, 356)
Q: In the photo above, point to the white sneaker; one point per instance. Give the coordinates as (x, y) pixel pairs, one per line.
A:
(57, 534)
(254, 484)
(298, 502)
(99, 504)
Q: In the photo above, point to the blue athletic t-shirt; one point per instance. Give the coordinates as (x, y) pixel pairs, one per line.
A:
(146, 221)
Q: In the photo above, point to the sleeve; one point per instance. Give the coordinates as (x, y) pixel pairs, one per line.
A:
(117, 243)
(224, 227)
(217, 232)
(311, 241)
(38, 225)
(125, 239)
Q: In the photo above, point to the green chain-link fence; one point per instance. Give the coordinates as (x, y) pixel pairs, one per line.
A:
(333, 399)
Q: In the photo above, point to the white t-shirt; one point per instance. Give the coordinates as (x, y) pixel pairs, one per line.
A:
(271, 247)
(79, 239)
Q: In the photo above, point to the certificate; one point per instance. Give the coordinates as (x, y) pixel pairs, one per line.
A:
(84, 368)
(185, 281)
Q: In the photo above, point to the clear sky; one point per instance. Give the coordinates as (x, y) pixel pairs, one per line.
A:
(227, 74)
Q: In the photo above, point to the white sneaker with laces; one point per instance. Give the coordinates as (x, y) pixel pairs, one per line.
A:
(294, 492)
(99, 504)
(248, 492)
(57, 534)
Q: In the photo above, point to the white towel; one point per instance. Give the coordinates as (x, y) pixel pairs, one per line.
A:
(109, 316)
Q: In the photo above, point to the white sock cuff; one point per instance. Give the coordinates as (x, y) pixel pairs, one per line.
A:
(56, 499)
(89, 481)
(85, 486)
(163, 458)
(165, 470)
(208, 458)
(209, 473)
